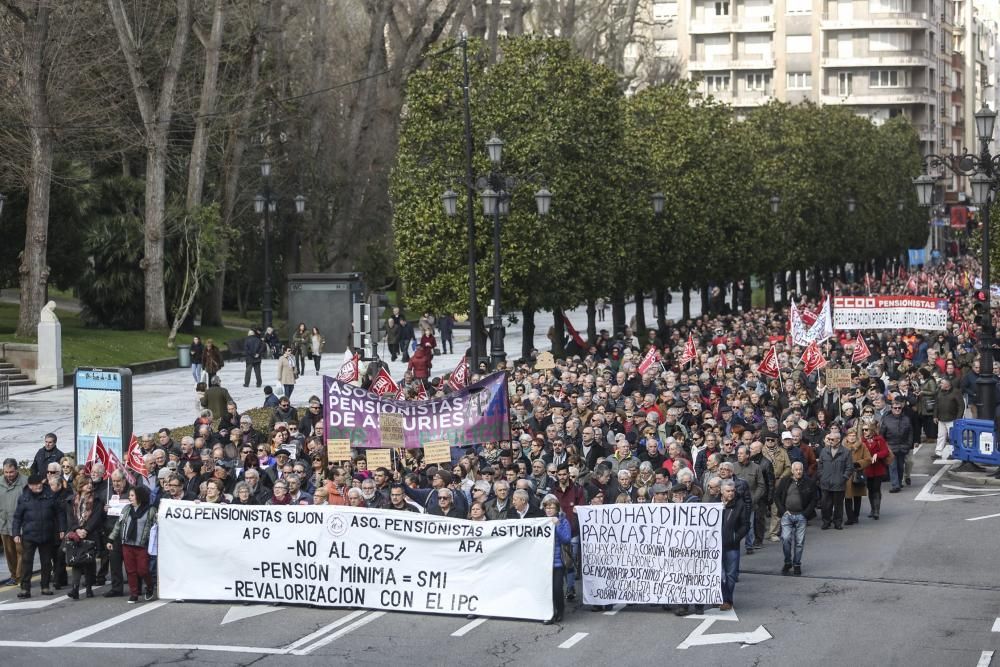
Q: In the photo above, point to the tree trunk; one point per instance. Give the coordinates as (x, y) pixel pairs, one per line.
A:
(591, 319)
(803, 282)
(660, 295)
(707, 307)
(527, 331)
(783, 284)
(768, 290)
(640, 313)
(685, 302)
(747, 301)
(206, 107)
(734, 298)
(34, 270)
(618, 311)
(558, 334)
(156, 116)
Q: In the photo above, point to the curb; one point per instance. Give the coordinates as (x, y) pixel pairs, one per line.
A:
(973, 478)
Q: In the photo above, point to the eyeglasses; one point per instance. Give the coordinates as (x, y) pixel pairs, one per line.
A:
(52, 472)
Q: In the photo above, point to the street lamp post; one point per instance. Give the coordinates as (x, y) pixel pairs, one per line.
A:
(984, 170)
(265, 204)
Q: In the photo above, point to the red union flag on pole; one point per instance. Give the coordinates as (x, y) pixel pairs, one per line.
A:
(134, 460)
(383, 384)
(651, 358)
(349, 371)
(98, 454)
(690, 352)
(460, 376)
(861, 351)
(768, 366)
(813, 358)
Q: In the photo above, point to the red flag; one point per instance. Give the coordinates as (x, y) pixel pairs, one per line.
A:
(651, 358)
(768, 366)
(861, 351)
(98, 454)
(690, 352)
(115, 463)
(383, 384)
(573, 333)
(460, 376)
(722, 364)
(349, 371)
(868, 283)
(911, 285)
(421, 392)
(134, 459)
(813, 358)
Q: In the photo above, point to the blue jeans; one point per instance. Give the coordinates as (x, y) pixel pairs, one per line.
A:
(750, 536)
(793, 537)
(196, 372)
(897, 471)
(730, 573)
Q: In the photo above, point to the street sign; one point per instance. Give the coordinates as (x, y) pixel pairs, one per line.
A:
(102, 406)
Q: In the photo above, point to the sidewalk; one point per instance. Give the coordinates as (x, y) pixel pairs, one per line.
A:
(167, 398)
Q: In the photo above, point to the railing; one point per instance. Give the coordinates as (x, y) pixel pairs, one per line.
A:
(4, 394)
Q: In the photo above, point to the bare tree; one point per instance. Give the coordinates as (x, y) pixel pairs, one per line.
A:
(156, 110)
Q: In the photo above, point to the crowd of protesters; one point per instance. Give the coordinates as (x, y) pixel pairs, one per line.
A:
(591, 430)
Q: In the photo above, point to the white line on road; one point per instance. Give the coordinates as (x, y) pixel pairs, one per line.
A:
(340, 633)
(996, 625)
(614, 610)
(104, 625)
(468, 627)
(980, 518)
(985, 658)
(925, 493)
(325, 629)
(183, 647)
(572, 641)
(987, 490)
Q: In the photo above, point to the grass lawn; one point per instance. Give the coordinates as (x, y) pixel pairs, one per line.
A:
(105, 347)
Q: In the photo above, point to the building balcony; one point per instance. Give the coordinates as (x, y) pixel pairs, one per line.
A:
(896, 20)
(910, 58)
(752, 98)
(878, 97)
(710, 27)
(754, 24)
(725, 64)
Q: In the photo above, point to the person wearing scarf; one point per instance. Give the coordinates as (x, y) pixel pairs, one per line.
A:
(134, 525)
(84, 518)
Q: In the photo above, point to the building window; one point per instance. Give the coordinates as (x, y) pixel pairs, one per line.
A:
(884, 78)
(722, 8)
(888, 41)
(799, 81)
(888, 6)
(759, 81)
(798, 44)
(717, 83)
(845, 84)
(798, 6)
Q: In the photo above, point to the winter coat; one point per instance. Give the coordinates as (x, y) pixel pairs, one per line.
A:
(9, 495)
(216, 399)
(860, 459)
(928, 393)
(38, 517)
(197, 352)
(94, 524)
(878, 448)
(735, 524)
(300, 344)
(780, 462)
(212, 361)
(253, 348)
(568, 499)
(950, 405)
(286, 373)
(898, 432)
(835, 468)
(754, 477)
(420, 363)
(564, 535)
(119, 530)
(807, 489)
(43, 457)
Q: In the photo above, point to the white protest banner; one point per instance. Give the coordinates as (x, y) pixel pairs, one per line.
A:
(354, 557)
(651, 553)
(925, 313)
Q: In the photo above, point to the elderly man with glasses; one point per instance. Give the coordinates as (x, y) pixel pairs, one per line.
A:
(897, 429)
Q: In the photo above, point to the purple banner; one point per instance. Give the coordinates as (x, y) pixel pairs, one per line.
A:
(479, 413)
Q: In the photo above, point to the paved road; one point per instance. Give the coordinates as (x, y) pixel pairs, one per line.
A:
(920, 587)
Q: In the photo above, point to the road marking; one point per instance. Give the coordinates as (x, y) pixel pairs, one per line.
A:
(699, 638)
(971, 489)
(985, 658)
(184, 647)
(975, 518)
(925, 493)
(996, 625)
(716, 615)
(325, 629)
(468, 627)
(340, 633)
(104, 625)
(239, 613)
(614, 610)
(32, 604)
(574, 640)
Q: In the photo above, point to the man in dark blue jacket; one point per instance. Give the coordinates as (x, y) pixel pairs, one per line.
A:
(47, 454)
(37, 519)
(735, 524)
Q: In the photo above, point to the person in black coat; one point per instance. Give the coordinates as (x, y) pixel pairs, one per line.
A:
(735, 525)
(254, 350)
(37, 521)
(84, 519)
(47, 454)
